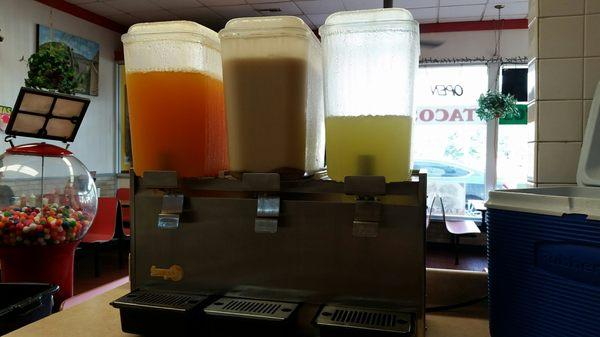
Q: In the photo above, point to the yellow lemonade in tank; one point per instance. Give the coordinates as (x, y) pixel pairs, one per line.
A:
(368, 145)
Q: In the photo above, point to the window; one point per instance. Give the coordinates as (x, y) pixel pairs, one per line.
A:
(449, 140)
(513, 153)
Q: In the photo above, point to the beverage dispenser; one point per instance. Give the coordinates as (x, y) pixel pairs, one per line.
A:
(274, 249)
(370, 60)
(175, 97)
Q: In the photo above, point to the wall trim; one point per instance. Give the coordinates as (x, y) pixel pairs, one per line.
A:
(84, 14)
(467, 26)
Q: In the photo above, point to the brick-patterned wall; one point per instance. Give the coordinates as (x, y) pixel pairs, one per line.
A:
(107, 184)
(564, 47)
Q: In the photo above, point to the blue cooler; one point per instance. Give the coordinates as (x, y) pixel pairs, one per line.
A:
(544, 253)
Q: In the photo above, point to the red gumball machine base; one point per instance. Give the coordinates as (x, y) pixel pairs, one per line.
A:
(44, 264)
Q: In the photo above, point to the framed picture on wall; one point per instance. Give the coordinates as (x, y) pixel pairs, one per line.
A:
(86, 54)
(125, 157)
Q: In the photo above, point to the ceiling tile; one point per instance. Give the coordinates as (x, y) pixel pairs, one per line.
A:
(175, 4)
(462, 11)
(423, 21)
(101, 9)
(230, 12)
(318, 19)
(416, 3)
(424, 13)
(460, 19)
(513, 8)
(211, 3)
(461, 2)
(125, 19)
(285, 8)
(505, 17)
(320, 6)
(307, 21)
(353, 5)
(129, 6)
(155, 15)
(198, 13)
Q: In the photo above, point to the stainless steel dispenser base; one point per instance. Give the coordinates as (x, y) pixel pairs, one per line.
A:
(358, 244)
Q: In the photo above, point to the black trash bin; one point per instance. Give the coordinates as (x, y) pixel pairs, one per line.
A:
(24, 303)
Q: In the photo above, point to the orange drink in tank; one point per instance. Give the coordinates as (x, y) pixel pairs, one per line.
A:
(177, 122)
(175, 97)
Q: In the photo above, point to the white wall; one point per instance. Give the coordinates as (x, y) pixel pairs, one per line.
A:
(514, 43)
(95, 142)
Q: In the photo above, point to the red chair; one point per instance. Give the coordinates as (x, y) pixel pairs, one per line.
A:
(123, 196)
(103, 227)
(124, 202)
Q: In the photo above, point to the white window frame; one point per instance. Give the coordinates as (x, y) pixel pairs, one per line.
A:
(491, 134)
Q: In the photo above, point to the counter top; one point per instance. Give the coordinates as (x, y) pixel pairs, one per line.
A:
(96, 318)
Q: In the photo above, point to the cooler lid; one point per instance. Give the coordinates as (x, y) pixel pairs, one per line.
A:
(588, 171)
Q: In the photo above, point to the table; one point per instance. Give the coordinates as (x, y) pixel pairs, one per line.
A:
(96, 318)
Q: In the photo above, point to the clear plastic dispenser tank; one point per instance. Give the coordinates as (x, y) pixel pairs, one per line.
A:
(370, 60)
(272, 69)
(175, 97)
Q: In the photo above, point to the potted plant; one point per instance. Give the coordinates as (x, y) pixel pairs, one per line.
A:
(495, 104)
(52, 68)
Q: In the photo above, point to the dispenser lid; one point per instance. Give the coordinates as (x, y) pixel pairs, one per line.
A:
(369, 15)
(370, 19)
(172, 30)
(588, 171)
(266, 26)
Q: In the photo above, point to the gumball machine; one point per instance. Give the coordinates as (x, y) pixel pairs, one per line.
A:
(48, 198)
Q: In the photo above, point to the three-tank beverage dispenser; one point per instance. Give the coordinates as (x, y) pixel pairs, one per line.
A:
(273, 247)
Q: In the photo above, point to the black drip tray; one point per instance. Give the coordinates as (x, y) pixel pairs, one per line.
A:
(159, 300)
(230, 316)
(161, 313)
(347, 321)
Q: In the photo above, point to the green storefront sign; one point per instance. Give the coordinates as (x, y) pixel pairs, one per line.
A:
(521, 120)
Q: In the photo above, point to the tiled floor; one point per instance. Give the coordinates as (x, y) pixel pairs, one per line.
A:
(109, 262)
(470, 257)
(438, 256)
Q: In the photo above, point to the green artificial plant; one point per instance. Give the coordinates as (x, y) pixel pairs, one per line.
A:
(52, 67)
(495, 104)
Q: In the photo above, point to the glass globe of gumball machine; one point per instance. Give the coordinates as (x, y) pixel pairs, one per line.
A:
(48, 198)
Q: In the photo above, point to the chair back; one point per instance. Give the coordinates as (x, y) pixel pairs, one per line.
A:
(123, 197)
(103, 227)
